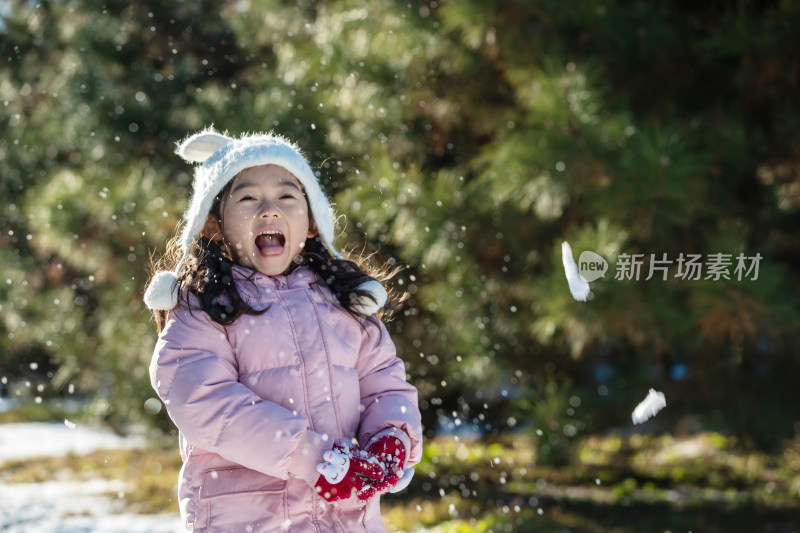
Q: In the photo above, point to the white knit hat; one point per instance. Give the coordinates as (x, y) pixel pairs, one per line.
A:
(222, 159)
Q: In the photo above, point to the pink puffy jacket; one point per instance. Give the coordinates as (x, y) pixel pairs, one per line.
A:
(258, 401)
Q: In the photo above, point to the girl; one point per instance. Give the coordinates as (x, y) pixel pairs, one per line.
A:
(270, 360)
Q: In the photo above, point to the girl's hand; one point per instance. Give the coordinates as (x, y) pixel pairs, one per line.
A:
(345, 469)
(391, 454)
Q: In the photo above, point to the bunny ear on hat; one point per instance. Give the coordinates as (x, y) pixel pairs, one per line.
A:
(200, 146)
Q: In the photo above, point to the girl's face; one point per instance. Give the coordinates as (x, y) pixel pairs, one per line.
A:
(265, 219)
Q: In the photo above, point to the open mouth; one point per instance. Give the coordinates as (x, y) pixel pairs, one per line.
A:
(270, 242)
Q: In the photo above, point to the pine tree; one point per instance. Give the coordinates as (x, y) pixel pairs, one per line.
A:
(463, 140)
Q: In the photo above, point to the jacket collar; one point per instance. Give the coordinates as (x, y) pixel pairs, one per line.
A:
(298, 278)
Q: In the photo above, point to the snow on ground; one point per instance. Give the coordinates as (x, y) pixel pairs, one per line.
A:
(65, 507)
(62, 506)
(41, 439)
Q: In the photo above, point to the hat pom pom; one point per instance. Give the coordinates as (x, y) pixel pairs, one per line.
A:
(369, 304)
(162, 294)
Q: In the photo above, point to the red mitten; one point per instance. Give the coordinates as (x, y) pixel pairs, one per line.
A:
(391, 454)
(344, 470)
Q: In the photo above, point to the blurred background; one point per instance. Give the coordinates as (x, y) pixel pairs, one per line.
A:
(464, 141)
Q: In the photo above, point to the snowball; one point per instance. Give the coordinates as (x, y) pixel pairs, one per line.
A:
(578, 286)
(652, 404)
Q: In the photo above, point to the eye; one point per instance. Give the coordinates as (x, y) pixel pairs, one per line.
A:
(246, 197)
(289, 194)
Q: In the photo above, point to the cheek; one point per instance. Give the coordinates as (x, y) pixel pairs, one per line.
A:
(301, 216)
(233, 222)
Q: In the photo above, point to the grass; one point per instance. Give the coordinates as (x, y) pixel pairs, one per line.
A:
(39, 412)
(150, 474)
(613, 484)
(633, 484)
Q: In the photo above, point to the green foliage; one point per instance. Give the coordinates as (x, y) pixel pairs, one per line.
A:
(463, 140)
(551, 406)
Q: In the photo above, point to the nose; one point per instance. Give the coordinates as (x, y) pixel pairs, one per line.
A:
(268, 210)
